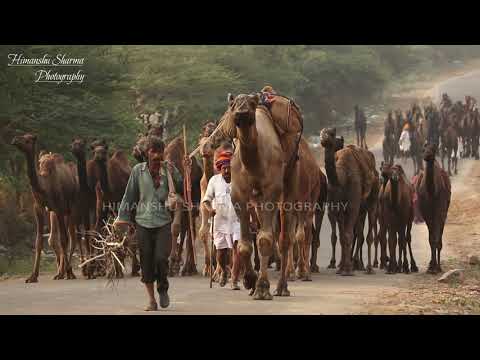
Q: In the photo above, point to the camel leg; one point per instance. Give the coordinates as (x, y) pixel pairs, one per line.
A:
(455, 159)
(439, 245)
(72, 236)
(39, 213)
(392, 244)
(449, 163)
(413, 264)
(349, 220)
(431, 239)
(300, 240)
(357, 260)
(189, 268)
(245, 246)
(370, 236)
(343, 251)
(256, 258)
(285, 239)
(64, 264)
(333, 239)
(204, 233)
(383, 245)
(291, 261)
(316, 240)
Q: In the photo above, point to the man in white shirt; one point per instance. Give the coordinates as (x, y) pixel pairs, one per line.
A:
(226, 230)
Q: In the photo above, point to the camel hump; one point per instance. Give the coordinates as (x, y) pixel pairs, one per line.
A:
(284, 112)
(366, 164)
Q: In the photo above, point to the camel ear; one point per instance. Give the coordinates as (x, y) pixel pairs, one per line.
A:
(230, 99)
(334, 130)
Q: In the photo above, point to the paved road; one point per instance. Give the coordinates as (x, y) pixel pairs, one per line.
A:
(326, 294)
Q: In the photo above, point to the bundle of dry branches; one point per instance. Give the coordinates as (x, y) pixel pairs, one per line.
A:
(111, 249)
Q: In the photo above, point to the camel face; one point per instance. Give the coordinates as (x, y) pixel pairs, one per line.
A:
(78, 148)
(100, 150)
(25, 143)
(243, 108)
(328, 137)
(206, 148)
(429, 152)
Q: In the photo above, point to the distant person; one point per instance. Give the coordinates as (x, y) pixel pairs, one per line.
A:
(360, 127)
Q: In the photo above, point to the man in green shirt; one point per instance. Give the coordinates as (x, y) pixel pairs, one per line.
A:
(146, 192)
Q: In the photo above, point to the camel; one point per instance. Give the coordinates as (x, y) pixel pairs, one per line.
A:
(85, 204)
(53, 187)
(109, 176)
(350, 173)
(175, 153)
(449, 143)
(206, 152)
(326, 196)
(433, 189)
(396, 218)
(308, 204)
(261, 152)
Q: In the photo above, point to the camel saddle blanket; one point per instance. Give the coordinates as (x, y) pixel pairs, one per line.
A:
(366, 163)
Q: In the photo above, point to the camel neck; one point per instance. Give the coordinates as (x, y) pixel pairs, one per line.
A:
(394, 194)
(82, 172)
(32, 172)
(102, 166)
(208, 166)
(429, 175)
(330, 167)
(248, 147)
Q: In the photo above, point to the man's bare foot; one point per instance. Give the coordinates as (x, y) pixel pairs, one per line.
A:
(152, 306)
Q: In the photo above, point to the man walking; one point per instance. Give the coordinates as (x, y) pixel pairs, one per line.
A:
(146, 192)
(226, 230)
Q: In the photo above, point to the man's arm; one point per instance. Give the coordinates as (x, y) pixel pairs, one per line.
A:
(129, 200)
(209, 196)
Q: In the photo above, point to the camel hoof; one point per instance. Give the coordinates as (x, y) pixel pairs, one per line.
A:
(291, 277)
(369, 270)
(331, 265)
(314, 268)
(252, 291)
(262, 291)
(249, 280)
(31, 279)
(282, 290)
(307, 278)
(413, 268)
(135, 274)
(375, 264)
(431, 270)
(347, 273)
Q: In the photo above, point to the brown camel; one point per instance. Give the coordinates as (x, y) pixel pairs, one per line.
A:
(306, 202)
(259, 154)
(175, 153)
(351, 178)
(319, 214)
(396, 213)
(53, 187)
(207, 148)
(110, 176)
(331, 213)
(433, 189)
(85, 205)
(449, 143)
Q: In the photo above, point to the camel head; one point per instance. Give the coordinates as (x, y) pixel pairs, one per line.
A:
(25, 143)
(100, 150)
(328, 138)
(206, 147)
(386, 171)
(396, 173)
(78, 148)
(242, 109)
(429, 151)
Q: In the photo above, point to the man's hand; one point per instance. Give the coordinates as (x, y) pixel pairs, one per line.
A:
(212, 212)
(169, 166)
(187, 161)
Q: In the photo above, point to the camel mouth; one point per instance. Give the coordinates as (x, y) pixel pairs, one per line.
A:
(243, 118)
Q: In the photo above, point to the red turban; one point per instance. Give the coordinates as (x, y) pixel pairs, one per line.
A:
(223, 159)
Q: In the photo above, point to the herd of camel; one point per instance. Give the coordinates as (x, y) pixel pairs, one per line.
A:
(272, 164)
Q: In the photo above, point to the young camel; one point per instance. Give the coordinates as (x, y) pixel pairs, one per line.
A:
(54, 187)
